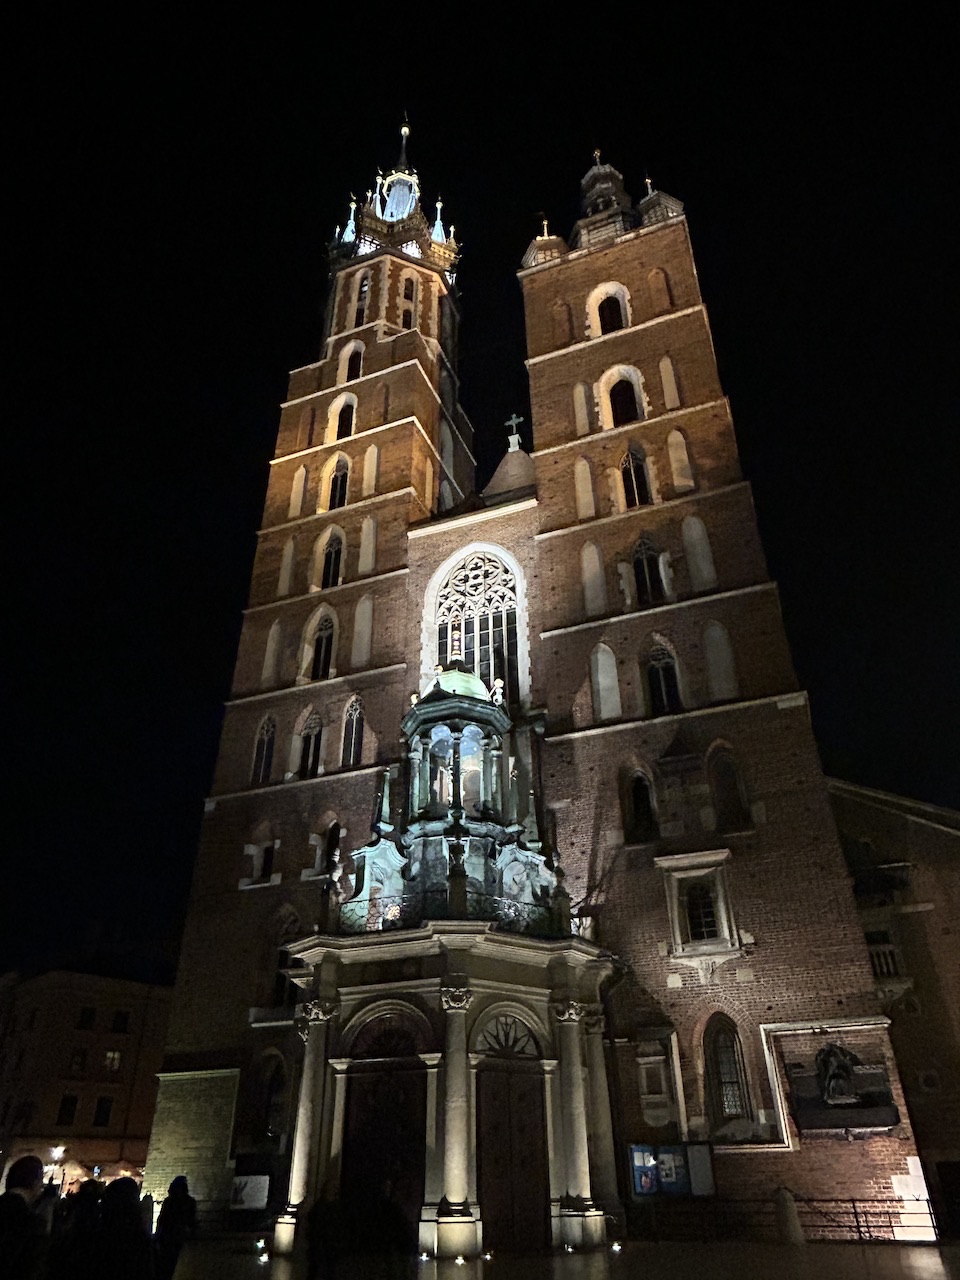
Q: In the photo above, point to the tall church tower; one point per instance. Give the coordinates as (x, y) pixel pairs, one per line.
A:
(518, 887)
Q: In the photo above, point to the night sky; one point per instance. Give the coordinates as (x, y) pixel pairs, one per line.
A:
(174, 188)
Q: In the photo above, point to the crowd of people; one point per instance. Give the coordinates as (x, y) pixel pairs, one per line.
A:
(97, 1232)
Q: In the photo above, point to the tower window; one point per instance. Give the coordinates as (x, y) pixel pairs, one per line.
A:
(610, 314)
(623, 403)
(338, 483)
(726, 1082)
(408, 310)
(263, 752)
(479, 598)
(646, 572)
(633, 472)
(345, 421)
(363, 296)
(322, 649)
(331, 561)
(355, 364)
(310, 757)
(662, 683)
(353, 735)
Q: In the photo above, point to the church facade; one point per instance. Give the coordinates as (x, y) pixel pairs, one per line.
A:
(519, 894)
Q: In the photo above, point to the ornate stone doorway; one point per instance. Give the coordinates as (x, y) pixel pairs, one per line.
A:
(512, 1178)
(385, 1124)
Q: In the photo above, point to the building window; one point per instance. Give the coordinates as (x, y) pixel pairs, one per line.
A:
(408, 316)
(86, 1018)
(352, 735)
(725, 1079)
(608, 309)
(363, 296)
(633, 473)
(479, 600)
(647, 574)
(662, 685)
(610, 315)
(332, 553)
(623, 403)
(729, 801)
(322, 649)
(111, 1060)
(698, 907)
(355, 364)
(310, 753)
(78, 1062)
(67, 1111)
(640, 824)
(101, 1112)
(338, 485)
(345, 421)
(263, 752)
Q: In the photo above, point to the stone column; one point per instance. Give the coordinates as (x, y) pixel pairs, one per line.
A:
(416, 759)
(604, 1158)
(457, 1229)
(581, 1221)
(424, 771)
(433, 1172)
(457, 780)
(496, 775)
(311, 1026)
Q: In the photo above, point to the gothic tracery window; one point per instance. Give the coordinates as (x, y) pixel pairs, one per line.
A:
(646, 572)
(479, 599)
(310, 743)
(726, 1080)
(633, 473)
(322, 649)
(338, 485)
(331, 561)
(352, 735)
(263, 752)
(662, 684)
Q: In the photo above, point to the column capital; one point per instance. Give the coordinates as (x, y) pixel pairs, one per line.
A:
(455, 994)
(594, 1020)
(312, 1012)
(568, 1010)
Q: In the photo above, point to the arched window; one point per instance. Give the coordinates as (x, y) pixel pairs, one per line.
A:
(352, 735)
(610, 315)
(668, 383)
(680, 470)
(725, 1079)
(658, 285)
(605, 684)
(271, 657)
(345, 421)
(297, 491)
(479, 597)
(623, 403)
(633, 473)
(285, 580)
(311, 759)
(662, 685)
(583, 482)
(350, 363)
(721, 668)
(408, 313)
(640, 824)
(332, 556)
(337, 493)
(648, 575)
(368, 545)
(696, 546)
(355, 363)
(594, 580)
(726, 786)
(322, 649)
(263, 752)
(363, 298)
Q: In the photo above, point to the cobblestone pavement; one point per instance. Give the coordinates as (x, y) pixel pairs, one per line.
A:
(237, 1258)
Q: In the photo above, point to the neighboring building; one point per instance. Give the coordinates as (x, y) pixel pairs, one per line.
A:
(517, 793)
(79, 1056)
(905, 861)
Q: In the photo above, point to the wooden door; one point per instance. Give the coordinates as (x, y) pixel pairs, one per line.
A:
(513, 1183)
(385, 1136)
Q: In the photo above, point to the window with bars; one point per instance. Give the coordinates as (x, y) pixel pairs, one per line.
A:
(699, 911)
(727, 1095)
(323, 640)
(479, 600)
(263, 752)
(633, 473)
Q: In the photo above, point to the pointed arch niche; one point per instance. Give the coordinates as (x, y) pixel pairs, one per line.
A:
(605, 684)
(485, 583)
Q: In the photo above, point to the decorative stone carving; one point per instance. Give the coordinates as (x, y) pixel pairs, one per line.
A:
(313, 1012)
(568, 1010)
(455, 995)
(595, 1021)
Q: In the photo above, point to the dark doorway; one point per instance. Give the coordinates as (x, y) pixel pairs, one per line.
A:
(513, 1184)
(385, 1135)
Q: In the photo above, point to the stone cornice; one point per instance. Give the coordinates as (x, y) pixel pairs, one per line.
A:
(617, 333)
(610, 619)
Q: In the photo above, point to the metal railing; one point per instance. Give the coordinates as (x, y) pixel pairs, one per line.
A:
(407, 911)
(711, 1218)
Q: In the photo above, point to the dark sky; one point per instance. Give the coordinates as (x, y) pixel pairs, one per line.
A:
(174, 186)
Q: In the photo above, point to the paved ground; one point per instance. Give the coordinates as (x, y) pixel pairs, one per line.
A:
(236, 1258)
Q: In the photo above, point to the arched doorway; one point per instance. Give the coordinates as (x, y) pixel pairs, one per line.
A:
(512, 1179)
(385, 1125)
